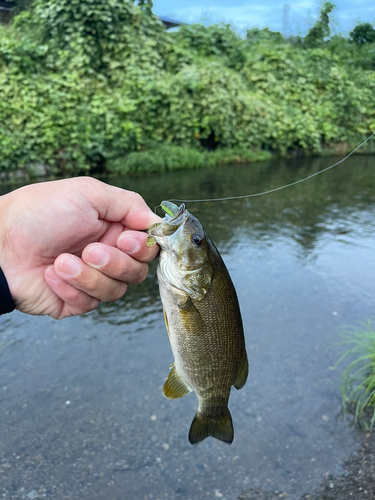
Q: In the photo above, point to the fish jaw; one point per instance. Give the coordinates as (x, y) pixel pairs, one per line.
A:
(176, 234)
(168, 230)
(184, 264)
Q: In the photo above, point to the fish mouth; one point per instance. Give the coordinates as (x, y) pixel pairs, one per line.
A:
(172, 211)
(174, 218)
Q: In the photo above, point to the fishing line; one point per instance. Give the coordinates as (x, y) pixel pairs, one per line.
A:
(278, 188)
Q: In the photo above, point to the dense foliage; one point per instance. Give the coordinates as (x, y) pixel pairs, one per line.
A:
(321, 30)
(85, 83)
(363, 33)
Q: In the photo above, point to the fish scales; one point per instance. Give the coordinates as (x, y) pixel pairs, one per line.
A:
(203, 322)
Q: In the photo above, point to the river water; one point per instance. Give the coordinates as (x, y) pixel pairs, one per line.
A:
(82, 411)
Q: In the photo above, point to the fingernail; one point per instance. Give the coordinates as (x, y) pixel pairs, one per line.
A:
(97, 256)
(128, 243)
(69, 266)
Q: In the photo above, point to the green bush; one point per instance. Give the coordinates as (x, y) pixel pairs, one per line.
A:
(90, 84)
(358, 377)
(363, 33)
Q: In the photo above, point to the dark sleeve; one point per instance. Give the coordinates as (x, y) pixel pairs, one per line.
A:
(6, 301)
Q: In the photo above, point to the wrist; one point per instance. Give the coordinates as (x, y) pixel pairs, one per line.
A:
(3, 227)
(6, 301)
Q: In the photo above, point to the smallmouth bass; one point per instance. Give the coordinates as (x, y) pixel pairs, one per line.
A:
(203, 321)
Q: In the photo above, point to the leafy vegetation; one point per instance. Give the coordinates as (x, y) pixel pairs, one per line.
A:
(358, 378)
(99, 85)
(363, 33)
(320, 32)
(161, 158)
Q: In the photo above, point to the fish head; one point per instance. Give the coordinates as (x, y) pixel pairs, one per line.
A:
(181, 236)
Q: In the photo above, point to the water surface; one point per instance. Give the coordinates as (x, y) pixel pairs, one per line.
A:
(82, 411)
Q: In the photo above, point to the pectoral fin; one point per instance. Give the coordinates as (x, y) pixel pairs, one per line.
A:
(174, 386)
(242, 373)
(190, 316)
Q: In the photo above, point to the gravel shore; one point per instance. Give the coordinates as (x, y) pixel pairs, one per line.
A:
(357, 482)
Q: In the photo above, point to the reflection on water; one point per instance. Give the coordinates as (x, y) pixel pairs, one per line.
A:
(338, 205)
(139, 305)
(81, 402)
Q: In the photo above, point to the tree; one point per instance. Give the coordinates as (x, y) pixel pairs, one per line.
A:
(145, 4)
(363, 33)
(320, 31)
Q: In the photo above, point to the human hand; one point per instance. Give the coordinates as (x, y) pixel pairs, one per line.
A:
(67, 245)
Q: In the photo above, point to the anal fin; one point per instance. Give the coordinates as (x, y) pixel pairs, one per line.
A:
(242, 373)
(174, 386)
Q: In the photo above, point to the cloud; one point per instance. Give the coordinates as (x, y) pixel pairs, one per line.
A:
(240, 16)
(269, 13)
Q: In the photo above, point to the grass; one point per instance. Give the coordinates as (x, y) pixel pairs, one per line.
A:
(358, 377)
(166, 158)
(158, 158)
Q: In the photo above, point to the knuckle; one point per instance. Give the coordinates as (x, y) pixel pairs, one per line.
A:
(58, 315)
(94, 282)
(86, 182)
(121, 291)
(87, 304)
(91, 304)
(117, 292)
(72, 294)
(137, 198)
(141, 274)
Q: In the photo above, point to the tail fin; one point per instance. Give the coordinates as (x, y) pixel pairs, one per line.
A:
(221, 429)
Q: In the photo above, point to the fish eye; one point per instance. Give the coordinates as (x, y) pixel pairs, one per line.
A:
(197, 239)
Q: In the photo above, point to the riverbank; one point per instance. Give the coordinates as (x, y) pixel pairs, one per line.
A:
(170, 158)
(158, 159)
(356, 483)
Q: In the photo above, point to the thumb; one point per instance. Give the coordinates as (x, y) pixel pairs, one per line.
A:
(119, 205)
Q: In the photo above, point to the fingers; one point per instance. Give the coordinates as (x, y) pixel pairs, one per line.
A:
(74, 301)
(89, 280)
(114, 263)
(103, 272)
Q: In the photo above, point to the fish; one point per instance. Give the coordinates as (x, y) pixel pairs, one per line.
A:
(203, 321)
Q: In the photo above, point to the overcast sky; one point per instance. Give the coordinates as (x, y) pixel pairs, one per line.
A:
(243, 14)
